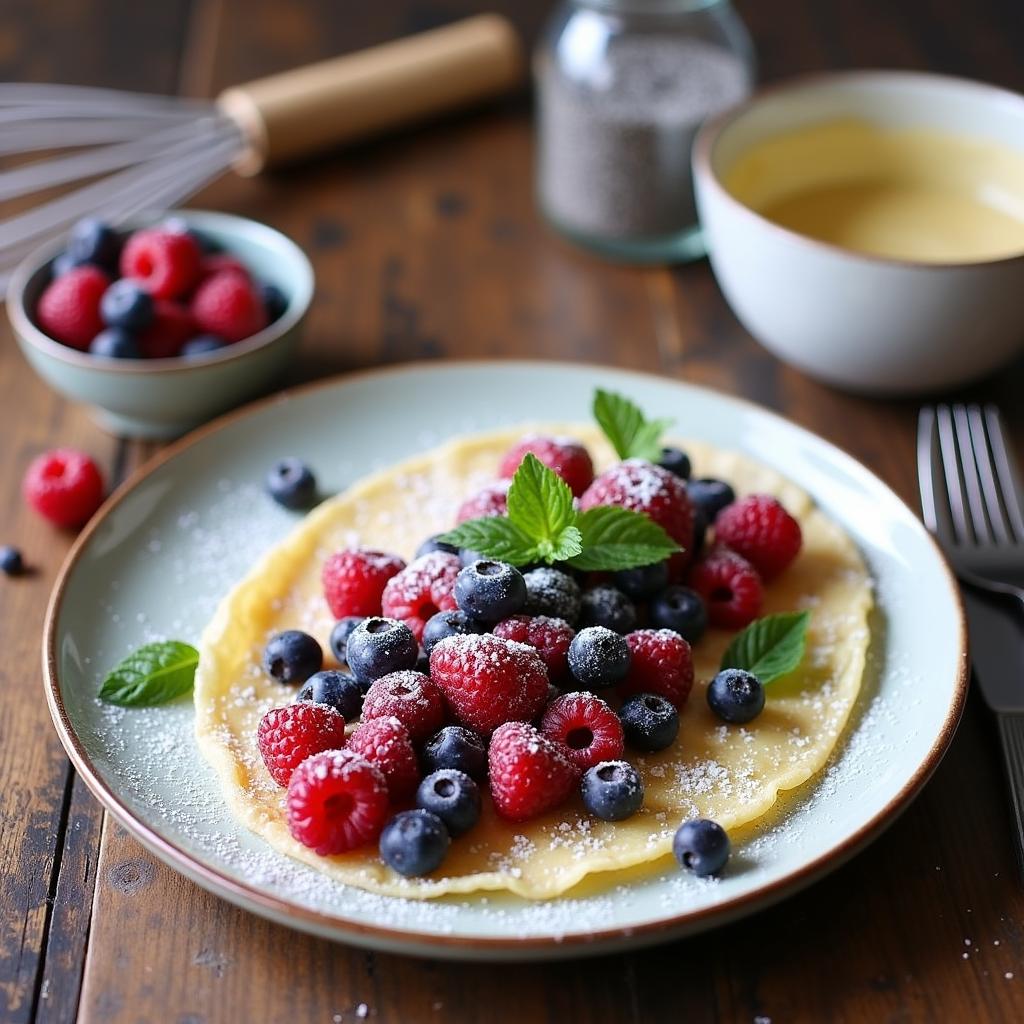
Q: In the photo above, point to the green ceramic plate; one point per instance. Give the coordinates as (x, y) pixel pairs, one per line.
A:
(168, 545)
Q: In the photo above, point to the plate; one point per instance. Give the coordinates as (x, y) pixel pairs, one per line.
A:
(167, 546)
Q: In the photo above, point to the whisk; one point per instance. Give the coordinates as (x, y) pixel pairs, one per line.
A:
(139, 152)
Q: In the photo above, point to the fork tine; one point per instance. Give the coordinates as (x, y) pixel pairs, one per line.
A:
(934, 500)
(1006, 470)
(951, 473)
(990, 486)
(972, 483)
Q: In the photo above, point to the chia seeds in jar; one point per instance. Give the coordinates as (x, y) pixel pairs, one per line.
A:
(622, 87)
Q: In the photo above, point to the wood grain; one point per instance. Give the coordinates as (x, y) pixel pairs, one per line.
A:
(428, 245)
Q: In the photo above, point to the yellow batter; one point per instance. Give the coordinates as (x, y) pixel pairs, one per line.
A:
(729, 773)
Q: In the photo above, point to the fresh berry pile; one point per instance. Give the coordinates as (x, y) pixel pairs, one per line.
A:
(459, 674)
(156, 293)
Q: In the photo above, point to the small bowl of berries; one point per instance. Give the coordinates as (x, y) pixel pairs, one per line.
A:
(164, 323)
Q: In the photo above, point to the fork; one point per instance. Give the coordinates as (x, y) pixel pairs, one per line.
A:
(973, 503)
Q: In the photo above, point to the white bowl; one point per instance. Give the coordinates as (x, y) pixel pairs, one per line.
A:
(861, 322)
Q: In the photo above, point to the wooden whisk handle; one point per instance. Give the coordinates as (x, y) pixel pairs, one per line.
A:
(298, 113)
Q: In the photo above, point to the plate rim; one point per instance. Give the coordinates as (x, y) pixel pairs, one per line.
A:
(330, 924)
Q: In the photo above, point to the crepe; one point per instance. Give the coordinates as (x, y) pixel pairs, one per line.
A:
(732, 774)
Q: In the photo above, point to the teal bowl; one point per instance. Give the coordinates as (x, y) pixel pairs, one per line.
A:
(162, 398)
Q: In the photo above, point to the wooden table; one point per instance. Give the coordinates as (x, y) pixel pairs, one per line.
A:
(429, 246)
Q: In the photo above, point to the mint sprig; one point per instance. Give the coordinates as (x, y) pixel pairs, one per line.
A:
(618, 538)
(770, 647)
(631, 434)
(540, 506)
(154, 674)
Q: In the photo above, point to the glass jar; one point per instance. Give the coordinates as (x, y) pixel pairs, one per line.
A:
(622, 86)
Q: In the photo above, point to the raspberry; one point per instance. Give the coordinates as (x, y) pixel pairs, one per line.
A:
(409, 696)
(568, 458)
(730, 587)
(222, 263)
(422, 589)
(550, 637)
(64, 486)
(229, 306)
(385, 743)
(529, 773)
(588, 729)
(660, 662)
(760, 529)
(354, 580)
(660, 495)
(491, 500)
(487, 680)
(172, 326)
(69, 308)
(287, 736)
(336, 802)
(166, 263)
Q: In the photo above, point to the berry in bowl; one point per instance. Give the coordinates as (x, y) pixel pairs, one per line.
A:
(163, 324)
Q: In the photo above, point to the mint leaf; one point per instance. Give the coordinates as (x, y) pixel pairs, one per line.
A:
(568, 545)
(496, 537)
(540, 504)
(631, 434)
(154, 674)
(618, 538)
(770, 647)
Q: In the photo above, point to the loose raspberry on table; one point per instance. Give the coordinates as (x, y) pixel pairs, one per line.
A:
(229, 306)
(287, 736)
(760, 529)
(730, 586)
(69, 308)
(586, 726)
(354, 580)
(411, 697)
(550, 637)
(385, 743)
(661, 663)
(337, 801)
(165, 262)
(165, 337)
(568, 458)
(491, 500)
(64, 486)
(660, 495)
(529, 773)
(488, 681)
(422, 589)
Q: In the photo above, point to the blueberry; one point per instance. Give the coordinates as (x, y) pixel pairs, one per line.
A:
(458, 748)
(736, 696)
(445, 624)
(292, 657)
(605, 606)
(643, 582)
(11, 562)
(649, 722)
(453, 796)
(291, 483)
(681, 609)
(423, 662)
(612, 790)
(339, 636)
(202, 344)
(490, 591)
(700, 530)
(701, 846)
(115, 343)
(378, 647)
(275, 302)
(675, 460)
(432, 544)
(710, 496)
(65, 262)
(598, 657)
(336, 689)
(414, 842)
(553, 593)
(93, 241)
(468, 556)
(125, 304)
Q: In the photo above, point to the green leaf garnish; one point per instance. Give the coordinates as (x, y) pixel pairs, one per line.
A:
(496, 537)
(540, 504)
(770, 647)
(631, 434)
(154, 674)
(618, 538)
